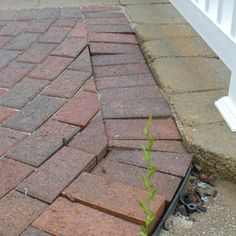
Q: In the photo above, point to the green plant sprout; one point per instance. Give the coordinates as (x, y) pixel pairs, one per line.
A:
(147, 181)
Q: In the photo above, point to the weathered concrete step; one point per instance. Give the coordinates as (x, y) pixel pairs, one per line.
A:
(113, 197)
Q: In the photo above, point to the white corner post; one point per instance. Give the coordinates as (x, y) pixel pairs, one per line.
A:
(215, 21)
(227, 105)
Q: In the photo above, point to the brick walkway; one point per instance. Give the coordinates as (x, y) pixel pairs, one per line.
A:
(75, 95)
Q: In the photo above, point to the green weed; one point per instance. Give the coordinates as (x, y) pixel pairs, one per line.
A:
(147, 181)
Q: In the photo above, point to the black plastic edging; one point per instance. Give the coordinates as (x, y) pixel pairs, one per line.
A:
(173, 204)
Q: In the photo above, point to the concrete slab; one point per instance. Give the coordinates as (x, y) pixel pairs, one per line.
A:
(150, 32)
(25, 4)
(197, 108)
(150, 13)
(213, 147)
(19, 4)
(181, 75)
(177, 47)
(128, 2)
(76, 3)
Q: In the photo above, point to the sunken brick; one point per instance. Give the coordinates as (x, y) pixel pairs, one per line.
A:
(159, 145)
(113, 48)
(107, 21)
(130, 175)
(104, 14)
(134, 129)
(125, 81)
(100, 9)
(109, 28)
(120, 59)
(92, 139)
(120, 70)
(170, 163)
(90, 85)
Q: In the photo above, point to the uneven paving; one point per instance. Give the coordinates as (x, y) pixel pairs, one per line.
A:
(192, 77)
(76, 93)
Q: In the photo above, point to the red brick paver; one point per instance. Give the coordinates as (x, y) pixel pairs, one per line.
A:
(159, 145)
(67, 84)
(130, 175)
(67, 218)
(79, 30)
(113, 197)
(13, 73)
(70, 47)
(90, 86)
(82, 62)
(39, 146)
(80, 109)
(9, 138)
(68, 161)
(34, 231)
(170, 163)
(4, 40)
(37, 53)
(124, 81)
(5, 113)
(11, 173)
(17, 212)
(92, 139)
(112, 38)
(113, 48)
(50, 68)
(133, 129)
(75, 95)
(55, 35)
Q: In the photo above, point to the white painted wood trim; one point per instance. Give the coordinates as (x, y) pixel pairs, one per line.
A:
(222, 43)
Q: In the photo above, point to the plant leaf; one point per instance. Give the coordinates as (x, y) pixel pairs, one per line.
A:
(142, 206)
(152, 194)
